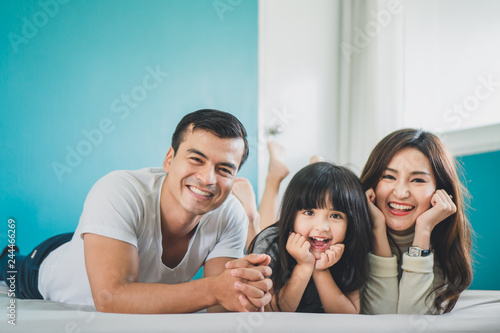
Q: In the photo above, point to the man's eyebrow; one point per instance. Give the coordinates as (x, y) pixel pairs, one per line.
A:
(226, 164)
(196, 151)
(411, 173)
(230, 165)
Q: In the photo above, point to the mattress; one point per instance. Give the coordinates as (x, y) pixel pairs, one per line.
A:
(476, 311)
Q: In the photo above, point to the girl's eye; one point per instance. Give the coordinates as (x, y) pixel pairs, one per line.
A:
(388, 177)
(336, 216)
(308, 212)
(418, 180)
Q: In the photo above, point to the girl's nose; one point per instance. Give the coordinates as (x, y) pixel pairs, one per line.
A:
(322, 225)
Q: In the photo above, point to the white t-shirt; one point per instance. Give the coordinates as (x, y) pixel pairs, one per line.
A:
(125, 205)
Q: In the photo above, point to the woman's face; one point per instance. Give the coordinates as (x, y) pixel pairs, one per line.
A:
(405, 190)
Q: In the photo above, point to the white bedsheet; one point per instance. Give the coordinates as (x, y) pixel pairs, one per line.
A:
(476, 311)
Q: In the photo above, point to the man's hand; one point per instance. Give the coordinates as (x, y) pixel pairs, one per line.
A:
(254, 284)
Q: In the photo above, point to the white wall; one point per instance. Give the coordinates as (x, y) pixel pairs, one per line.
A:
(452, 74)
(298, 79)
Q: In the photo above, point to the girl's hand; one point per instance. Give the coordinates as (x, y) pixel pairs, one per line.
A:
(375, 213)
(330, 257)
(298, 247)
(442, 207)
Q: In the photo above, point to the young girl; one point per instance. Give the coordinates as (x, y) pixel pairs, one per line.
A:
(421, 259)
(320, 243)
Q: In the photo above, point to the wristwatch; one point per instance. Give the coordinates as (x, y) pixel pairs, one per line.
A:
(415, 251)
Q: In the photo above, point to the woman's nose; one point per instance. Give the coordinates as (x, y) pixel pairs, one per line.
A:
(401, 190)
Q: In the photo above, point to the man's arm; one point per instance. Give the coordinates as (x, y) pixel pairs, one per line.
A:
(113, 271)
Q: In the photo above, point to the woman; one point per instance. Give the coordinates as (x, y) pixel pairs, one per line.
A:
(421, 258)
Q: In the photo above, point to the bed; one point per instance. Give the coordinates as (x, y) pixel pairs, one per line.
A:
(476, 311)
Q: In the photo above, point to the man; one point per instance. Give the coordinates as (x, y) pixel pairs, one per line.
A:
(144, 234)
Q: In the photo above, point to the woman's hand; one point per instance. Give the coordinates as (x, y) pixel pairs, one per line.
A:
(381, 246)
(442, 207)
(298, 247)
(330, 257)
(375, 213)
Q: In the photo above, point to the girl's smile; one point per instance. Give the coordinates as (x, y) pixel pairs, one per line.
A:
(320, 244)
(321, 227)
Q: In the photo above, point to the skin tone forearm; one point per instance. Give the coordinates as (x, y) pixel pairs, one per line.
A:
(155, 298)
(442, 207)
(381, 245)
(291, 293)
(113, 270)
(332, 298)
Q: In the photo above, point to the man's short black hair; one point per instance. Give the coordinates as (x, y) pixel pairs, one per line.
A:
(220, 123)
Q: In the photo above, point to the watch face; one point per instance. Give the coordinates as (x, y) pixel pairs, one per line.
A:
(414, 251)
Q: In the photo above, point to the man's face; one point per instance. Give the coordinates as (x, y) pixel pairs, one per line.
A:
(203, 170)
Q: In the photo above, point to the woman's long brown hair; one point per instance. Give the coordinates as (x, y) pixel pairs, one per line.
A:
(451, 239)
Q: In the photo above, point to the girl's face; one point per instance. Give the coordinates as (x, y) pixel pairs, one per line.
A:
(405, 190)
(321, 227)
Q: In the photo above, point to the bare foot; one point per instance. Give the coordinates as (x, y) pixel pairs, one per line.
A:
(277, 167)
(316, 158)
(243, 190)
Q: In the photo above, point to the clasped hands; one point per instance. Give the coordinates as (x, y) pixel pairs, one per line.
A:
(245, 285)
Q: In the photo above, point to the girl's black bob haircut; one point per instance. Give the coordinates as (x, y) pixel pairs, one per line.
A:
(324, 185)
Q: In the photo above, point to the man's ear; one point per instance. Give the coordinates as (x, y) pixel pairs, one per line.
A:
(167, 162)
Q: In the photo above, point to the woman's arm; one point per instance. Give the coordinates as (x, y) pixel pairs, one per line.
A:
(381, 292)
(381, 245)
(416, 284)
(417, 281)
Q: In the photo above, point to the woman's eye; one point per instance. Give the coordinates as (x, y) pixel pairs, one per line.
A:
(308, 212)
(336, 216)
(418, 180)
(388, 177)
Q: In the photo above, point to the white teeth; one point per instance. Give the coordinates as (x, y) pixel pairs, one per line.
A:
(319, 239)
(400, 207)
(200, 192)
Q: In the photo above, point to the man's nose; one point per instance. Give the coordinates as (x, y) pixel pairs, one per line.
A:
(207, 175)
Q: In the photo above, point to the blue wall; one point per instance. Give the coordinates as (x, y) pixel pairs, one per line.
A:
(483, 182)
(88, 87)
